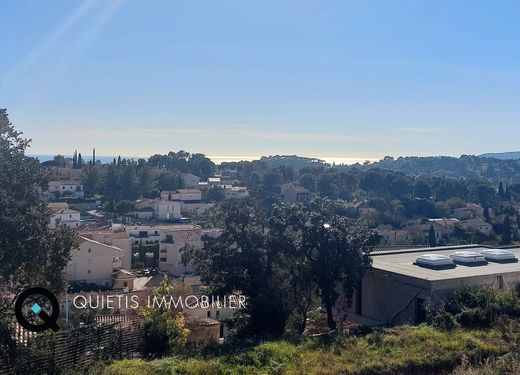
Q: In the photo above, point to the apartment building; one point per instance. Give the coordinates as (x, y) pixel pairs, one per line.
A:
(93, 262)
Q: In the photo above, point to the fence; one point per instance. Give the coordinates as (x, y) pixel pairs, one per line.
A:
(72, 351)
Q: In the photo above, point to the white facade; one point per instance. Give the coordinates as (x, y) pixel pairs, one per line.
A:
(63, 215)
(73, 188)
(235, 191)
(93, 262)
(185, 195)
(167, 210)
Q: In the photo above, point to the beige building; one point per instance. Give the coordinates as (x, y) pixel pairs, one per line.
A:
(171, 239)
(115, 236)
(93, 262)
(395, 289)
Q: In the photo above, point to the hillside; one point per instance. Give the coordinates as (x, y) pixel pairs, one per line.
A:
(502, 155)
(403, 350)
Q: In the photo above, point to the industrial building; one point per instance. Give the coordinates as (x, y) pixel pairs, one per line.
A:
(399, 282)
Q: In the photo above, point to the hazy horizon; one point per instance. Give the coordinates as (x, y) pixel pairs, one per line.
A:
(335, 80)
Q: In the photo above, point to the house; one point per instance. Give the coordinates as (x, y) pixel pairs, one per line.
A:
(392, 237)
(65, 182)
(469, 211)
(395, 289)
(93, 262)
(295, 194)
(63, 215)
(160, 209)
(189, 180)
(419, 233)
(235, 191)
(183, 195)
(477, 225)
(123, 280)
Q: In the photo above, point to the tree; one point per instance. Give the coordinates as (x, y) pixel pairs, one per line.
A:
(506, 232)
(75, 159)
(308, 181)
(432, 238)
(501, 194)
(80, 161)
(487, 217)
(164, 327)
(239, 261)
(30, 253)
(337, 249)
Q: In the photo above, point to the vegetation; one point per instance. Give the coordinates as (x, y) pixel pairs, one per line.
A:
(406, 350)
(164, 329)
(283, 260)
(30, 253)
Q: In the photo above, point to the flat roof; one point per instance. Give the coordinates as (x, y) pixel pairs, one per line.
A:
(402, 262)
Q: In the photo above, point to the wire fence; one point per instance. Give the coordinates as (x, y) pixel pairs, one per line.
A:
(73, 351)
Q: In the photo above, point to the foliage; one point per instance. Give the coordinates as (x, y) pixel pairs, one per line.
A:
(164, 328)
(30, 252)
(406, 350)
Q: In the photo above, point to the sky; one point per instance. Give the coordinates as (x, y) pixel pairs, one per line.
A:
(235, 79)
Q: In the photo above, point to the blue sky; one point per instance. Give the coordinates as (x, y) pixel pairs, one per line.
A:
(242, 78)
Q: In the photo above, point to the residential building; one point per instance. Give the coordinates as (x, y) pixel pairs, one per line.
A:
(113, 236)
(294, 193)
(393, 237)
(63, 215)
(231, 191)
(477, 225)
(469, 211)
(93, 262)
(66, 182)
(160, 209)
(172, 238)
(123, 280)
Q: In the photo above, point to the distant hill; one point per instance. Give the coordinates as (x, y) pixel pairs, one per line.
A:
(293, 161)
(502, 155)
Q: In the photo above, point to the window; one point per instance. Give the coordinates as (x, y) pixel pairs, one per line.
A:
(163, 259)
(89, 250)
(125, 284)
(88, 272)
(217, 314)
(208, 314)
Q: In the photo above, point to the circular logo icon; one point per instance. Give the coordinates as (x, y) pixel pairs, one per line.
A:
(37, 307)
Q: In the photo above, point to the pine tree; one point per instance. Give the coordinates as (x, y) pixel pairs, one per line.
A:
(501, 194)
(119, 160)
(80, 161)
(486, 214)
(75, 159)
(506, 232)
(432, 239)
(93, 156)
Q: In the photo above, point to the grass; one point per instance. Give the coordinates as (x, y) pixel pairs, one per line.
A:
(404, 350)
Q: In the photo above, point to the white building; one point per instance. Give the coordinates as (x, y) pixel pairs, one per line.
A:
(65, 182)
(235, 191)
(159, 209)
(171, 239)
(93, 262)
(63, 215)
